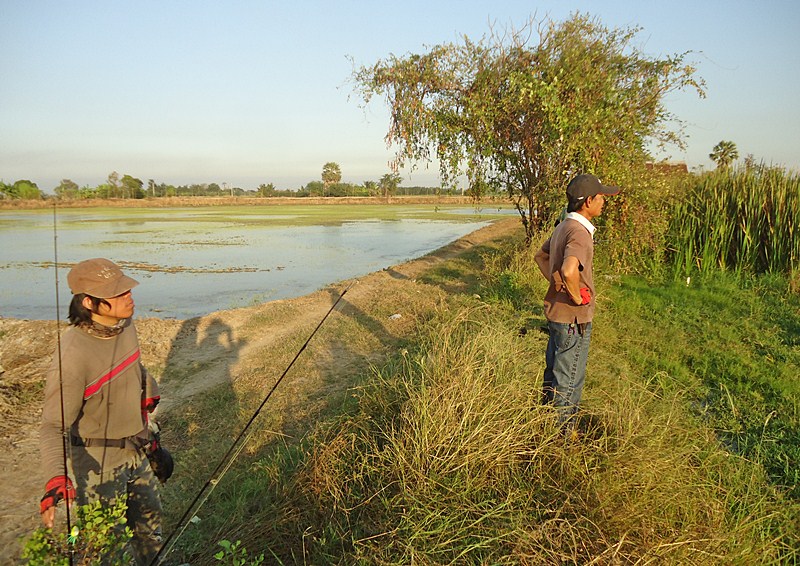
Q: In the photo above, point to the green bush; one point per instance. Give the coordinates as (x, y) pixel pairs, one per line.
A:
(98, 536)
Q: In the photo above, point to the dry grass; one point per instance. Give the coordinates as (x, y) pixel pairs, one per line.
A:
(452, 460)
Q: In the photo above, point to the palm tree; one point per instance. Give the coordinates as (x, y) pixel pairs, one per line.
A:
(724, 154)
(388, 183)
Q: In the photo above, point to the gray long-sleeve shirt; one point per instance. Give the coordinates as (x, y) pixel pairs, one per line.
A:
(101, 380)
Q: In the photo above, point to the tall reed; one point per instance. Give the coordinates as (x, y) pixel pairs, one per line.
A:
(745, 220)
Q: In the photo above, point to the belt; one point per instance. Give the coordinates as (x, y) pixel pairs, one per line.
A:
(104, 442)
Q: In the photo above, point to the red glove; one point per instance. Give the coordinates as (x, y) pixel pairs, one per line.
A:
(586, 297)
(150, 404)
(58, 488)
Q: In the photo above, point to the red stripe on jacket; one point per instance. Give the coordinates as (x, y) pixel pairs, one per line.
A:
(115, 371)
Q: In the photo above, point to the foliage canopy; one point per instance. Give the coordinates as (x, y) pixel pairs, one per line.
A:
(724, 153)
(331, 173)
(526, 110)
(22, 189)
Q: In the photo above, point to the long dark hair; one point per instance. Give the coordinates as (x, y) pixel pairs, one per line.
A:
(79, 314)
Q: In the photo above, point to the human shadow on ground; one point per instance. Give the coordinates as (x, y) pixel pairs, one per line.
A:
(197, 377)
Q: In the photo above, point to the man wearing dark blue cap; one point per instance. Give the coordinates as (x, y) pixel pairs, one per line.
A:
(565, 260)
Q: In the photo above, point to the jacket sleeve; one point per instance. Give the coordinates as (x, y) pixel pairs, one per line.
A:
(67, 383)
(150, 385)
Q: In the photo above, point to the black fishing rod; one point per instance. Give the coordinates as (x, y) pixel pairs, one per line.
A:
(226, 461)
(64, 432)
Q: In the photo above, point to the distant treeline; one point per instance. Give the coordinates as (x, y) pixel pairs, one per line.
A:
(128, 187)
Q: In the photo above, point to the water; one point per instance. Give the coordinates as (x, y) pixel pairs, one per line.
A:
(191, 262)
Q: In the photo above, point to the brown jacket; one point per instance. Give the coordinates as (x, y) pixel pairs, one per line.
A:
(101, 380)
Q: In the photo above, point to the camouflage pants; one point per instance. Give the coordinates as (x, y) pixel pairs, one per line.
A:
(105, 473)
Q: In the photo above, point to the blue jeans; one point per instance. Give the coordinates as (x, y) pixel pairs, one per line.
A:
(565, 371)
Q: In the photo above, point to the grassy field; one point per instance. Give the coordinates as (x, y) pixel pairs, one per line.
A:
(731, 350)
(437, 451)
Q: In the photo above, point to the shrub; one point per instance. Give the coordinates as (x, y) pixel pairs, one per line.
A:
(98, 536)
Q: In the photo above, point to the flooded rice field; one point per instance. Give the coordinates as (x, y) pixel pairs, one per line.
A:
(193, 261)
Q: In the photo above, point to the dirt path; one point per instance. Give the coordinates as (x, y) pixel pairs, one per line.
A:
(213, 348)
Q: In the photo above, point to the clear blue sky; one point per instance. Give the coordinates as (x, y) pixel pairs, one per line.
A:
(251, 92)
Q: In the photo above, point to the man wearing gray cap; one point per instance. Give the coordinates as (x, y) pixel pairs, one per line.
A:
(100, 392)
(565, 260)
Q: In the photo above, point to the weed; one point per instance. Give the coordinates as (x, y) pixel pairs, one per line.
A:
(234, 554)
(98, 536)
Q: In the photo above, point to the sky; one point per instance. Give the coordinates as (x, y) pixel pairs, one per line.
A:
(250, 92)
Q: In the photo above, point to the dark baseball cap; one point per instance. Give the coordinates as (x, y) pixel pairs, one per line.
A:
(99, 277)
(586, 185)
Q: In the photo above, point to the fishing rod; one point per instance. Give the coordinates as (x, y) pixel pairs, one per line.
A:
(226, 461)
(64, 431)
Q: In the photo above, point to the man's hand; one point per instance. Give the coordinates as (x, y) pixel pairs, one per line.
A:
(49, 517)
(58, 488)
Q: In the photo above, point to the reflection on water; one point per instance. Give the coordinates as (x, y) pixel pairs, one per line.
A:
(187, 269)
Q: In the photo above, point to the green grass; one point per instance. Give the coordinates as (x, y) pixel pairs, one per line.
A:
(443, 455)
(732, 350)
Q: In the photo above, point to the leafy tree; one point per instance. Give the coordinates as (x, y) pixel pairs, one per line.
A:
(371, 187)
(22, 189)
(112, 189)
(67, 189)
(526, 110)
(105, 190)
(389, 183)
(131, 187)
(267, 190)
(331, 174)
(315, 188)
(724, 154)
(339, 189)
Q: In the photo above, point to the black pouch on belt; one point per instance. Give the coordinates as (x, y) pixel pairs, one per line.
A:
(161, 461)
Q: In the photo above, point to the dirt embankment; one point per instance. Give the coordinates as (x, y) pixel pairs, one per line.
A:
(26, 347)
